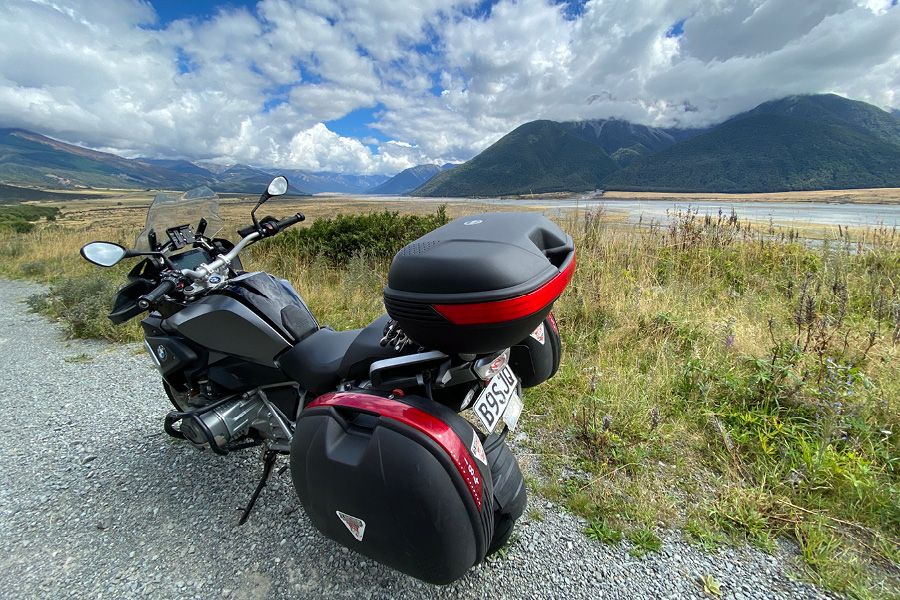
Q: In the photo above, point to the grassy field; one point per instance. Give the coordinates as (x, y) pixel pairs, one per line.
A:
(726, 380)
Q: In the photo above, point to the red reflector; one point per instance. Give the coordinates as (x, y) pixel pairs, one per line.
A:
(428, 424)
(553, 324)
(511, 308)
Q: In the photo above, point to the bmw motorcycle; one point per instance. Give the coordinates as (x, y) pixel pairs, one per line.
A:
(396, 432)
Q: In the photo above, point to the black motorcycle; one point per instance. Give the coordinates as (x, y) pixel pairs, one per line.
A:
(382, 456)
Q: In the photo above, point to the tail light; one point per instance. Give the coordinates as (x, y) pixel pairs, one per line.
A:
(485, 368)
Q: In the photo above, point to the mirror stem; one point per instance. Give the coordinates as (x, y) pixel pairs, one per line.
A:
(262, 198)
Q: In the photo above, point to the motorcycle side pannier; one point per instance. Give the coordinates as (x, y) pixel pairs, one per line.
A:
(480, 283)
(402, 481)
(536, 358)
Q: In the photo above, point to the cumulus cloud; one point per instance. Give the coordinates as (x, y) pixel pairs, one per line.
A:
(441, 79)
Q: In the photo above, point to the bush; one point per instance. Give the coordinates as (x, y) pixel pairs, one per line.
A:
(19, 217)
(82, 305)
(377, 235)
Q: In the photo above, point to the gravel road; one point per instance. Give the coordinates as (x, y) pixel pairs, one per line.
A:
(96, 501)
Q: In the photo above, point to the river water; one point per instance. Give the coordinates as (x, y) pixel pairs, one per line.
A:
(790, 213)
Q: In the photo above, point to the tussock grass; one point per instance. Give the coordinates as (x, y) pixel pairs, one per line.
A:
(729, 380)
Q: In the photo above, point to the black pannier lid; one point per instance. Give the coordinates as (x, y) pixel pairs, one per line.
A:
(479, 283)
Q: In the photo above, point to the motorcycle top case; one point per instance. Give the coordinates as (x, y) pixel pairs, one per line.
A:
(402, 481)
(481, 283)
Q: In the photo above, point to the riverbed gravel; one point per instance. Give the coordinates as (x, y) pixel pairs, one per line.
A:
(97, 502)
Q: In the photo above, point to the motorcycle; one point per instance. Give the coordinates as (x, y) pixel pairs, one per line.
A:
(396, 432)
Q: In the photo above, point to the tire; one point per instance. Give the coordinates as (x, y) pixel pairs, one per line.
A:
(510, 494)
(503, 528)
(178, 399)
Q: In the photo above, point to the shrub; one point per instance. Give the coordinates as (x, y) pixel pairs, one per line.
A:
(19, 217)
(377, 235)
(82, 304)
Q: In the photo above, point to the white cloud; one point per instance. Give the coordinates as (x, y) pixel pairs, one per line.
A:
(258, 86)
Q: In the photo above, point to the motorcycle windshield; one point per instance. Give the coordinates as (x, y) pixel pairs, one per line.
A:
(174, 210)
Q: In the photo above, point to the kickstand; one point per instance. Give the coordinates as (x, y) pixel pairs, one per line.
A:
(269, 458)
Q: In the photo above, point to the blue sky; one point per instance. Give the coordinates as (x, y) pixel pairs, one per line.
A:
(380, 86)
(171, 10)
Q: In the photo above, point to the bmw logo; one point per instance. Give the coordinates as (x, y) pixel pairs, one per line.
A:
(215, 279)
(161, 352)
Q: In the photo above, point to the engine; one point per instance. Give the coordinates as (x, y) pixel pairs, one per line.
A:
(224, 423)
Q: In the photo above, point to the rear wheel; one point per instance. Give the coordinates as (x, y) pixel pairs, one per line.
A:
(503, 528)
(510, 494)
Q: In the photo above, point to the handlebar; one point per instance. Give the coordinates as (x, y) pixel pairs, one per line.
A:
(152, 297)
(268, 227)
(285, 223)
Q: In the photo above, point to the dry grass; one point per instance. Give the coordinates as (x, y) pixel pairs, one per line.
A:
(864, 196)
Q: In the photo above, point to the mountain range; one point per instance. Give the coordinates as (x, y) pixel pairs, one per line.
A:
(33, 160)
(801, 142)
(409, 179)
(796, 143)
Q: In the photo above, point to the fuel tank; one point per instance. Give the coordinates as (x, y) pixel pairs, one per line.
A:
(254, 316)
(223, 324)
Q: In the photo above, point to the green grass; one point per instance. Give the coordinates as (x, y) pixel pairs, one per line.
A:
(643, 541)
(738, 387)
(601, 531)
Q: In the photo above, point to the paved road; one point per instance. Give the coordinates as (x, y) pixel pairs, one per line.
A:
(95, 501)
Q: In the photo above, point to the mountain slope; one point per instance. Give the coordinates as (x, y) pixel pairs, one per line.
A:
(764, 153)
(184, 167)
(537, 157)
(409, 179)
(835, 109)
(32, 159)
(625, 141)
(322, 182)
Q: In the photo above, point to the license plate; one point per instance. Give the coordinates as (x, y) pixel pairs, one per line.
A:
(500, 393)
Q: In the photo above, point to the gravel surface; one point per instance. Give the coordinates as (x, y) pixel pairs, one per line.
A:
(96, 501)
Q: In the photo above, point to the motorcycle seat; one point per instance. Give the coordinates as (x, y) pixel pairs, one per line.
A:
(325, 358)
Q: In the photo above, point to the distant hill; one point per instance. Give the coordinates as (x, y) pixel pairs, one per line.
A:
(409, 179)
(182, 166)
(27, 158)
(767, 153)
(340, 183)
(832, 108)
(243, 178)
(537, 157)
(624, 141)
(795, 143)
(33, 160)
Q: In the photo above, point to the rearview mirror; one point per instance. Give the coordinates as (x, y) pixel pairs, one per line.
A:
(278, 187)
(104, 254)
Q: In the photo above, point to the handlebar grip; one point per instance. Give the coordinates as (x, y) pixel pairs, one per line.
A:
(244, 232)
(151, 298)
(285, 223)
